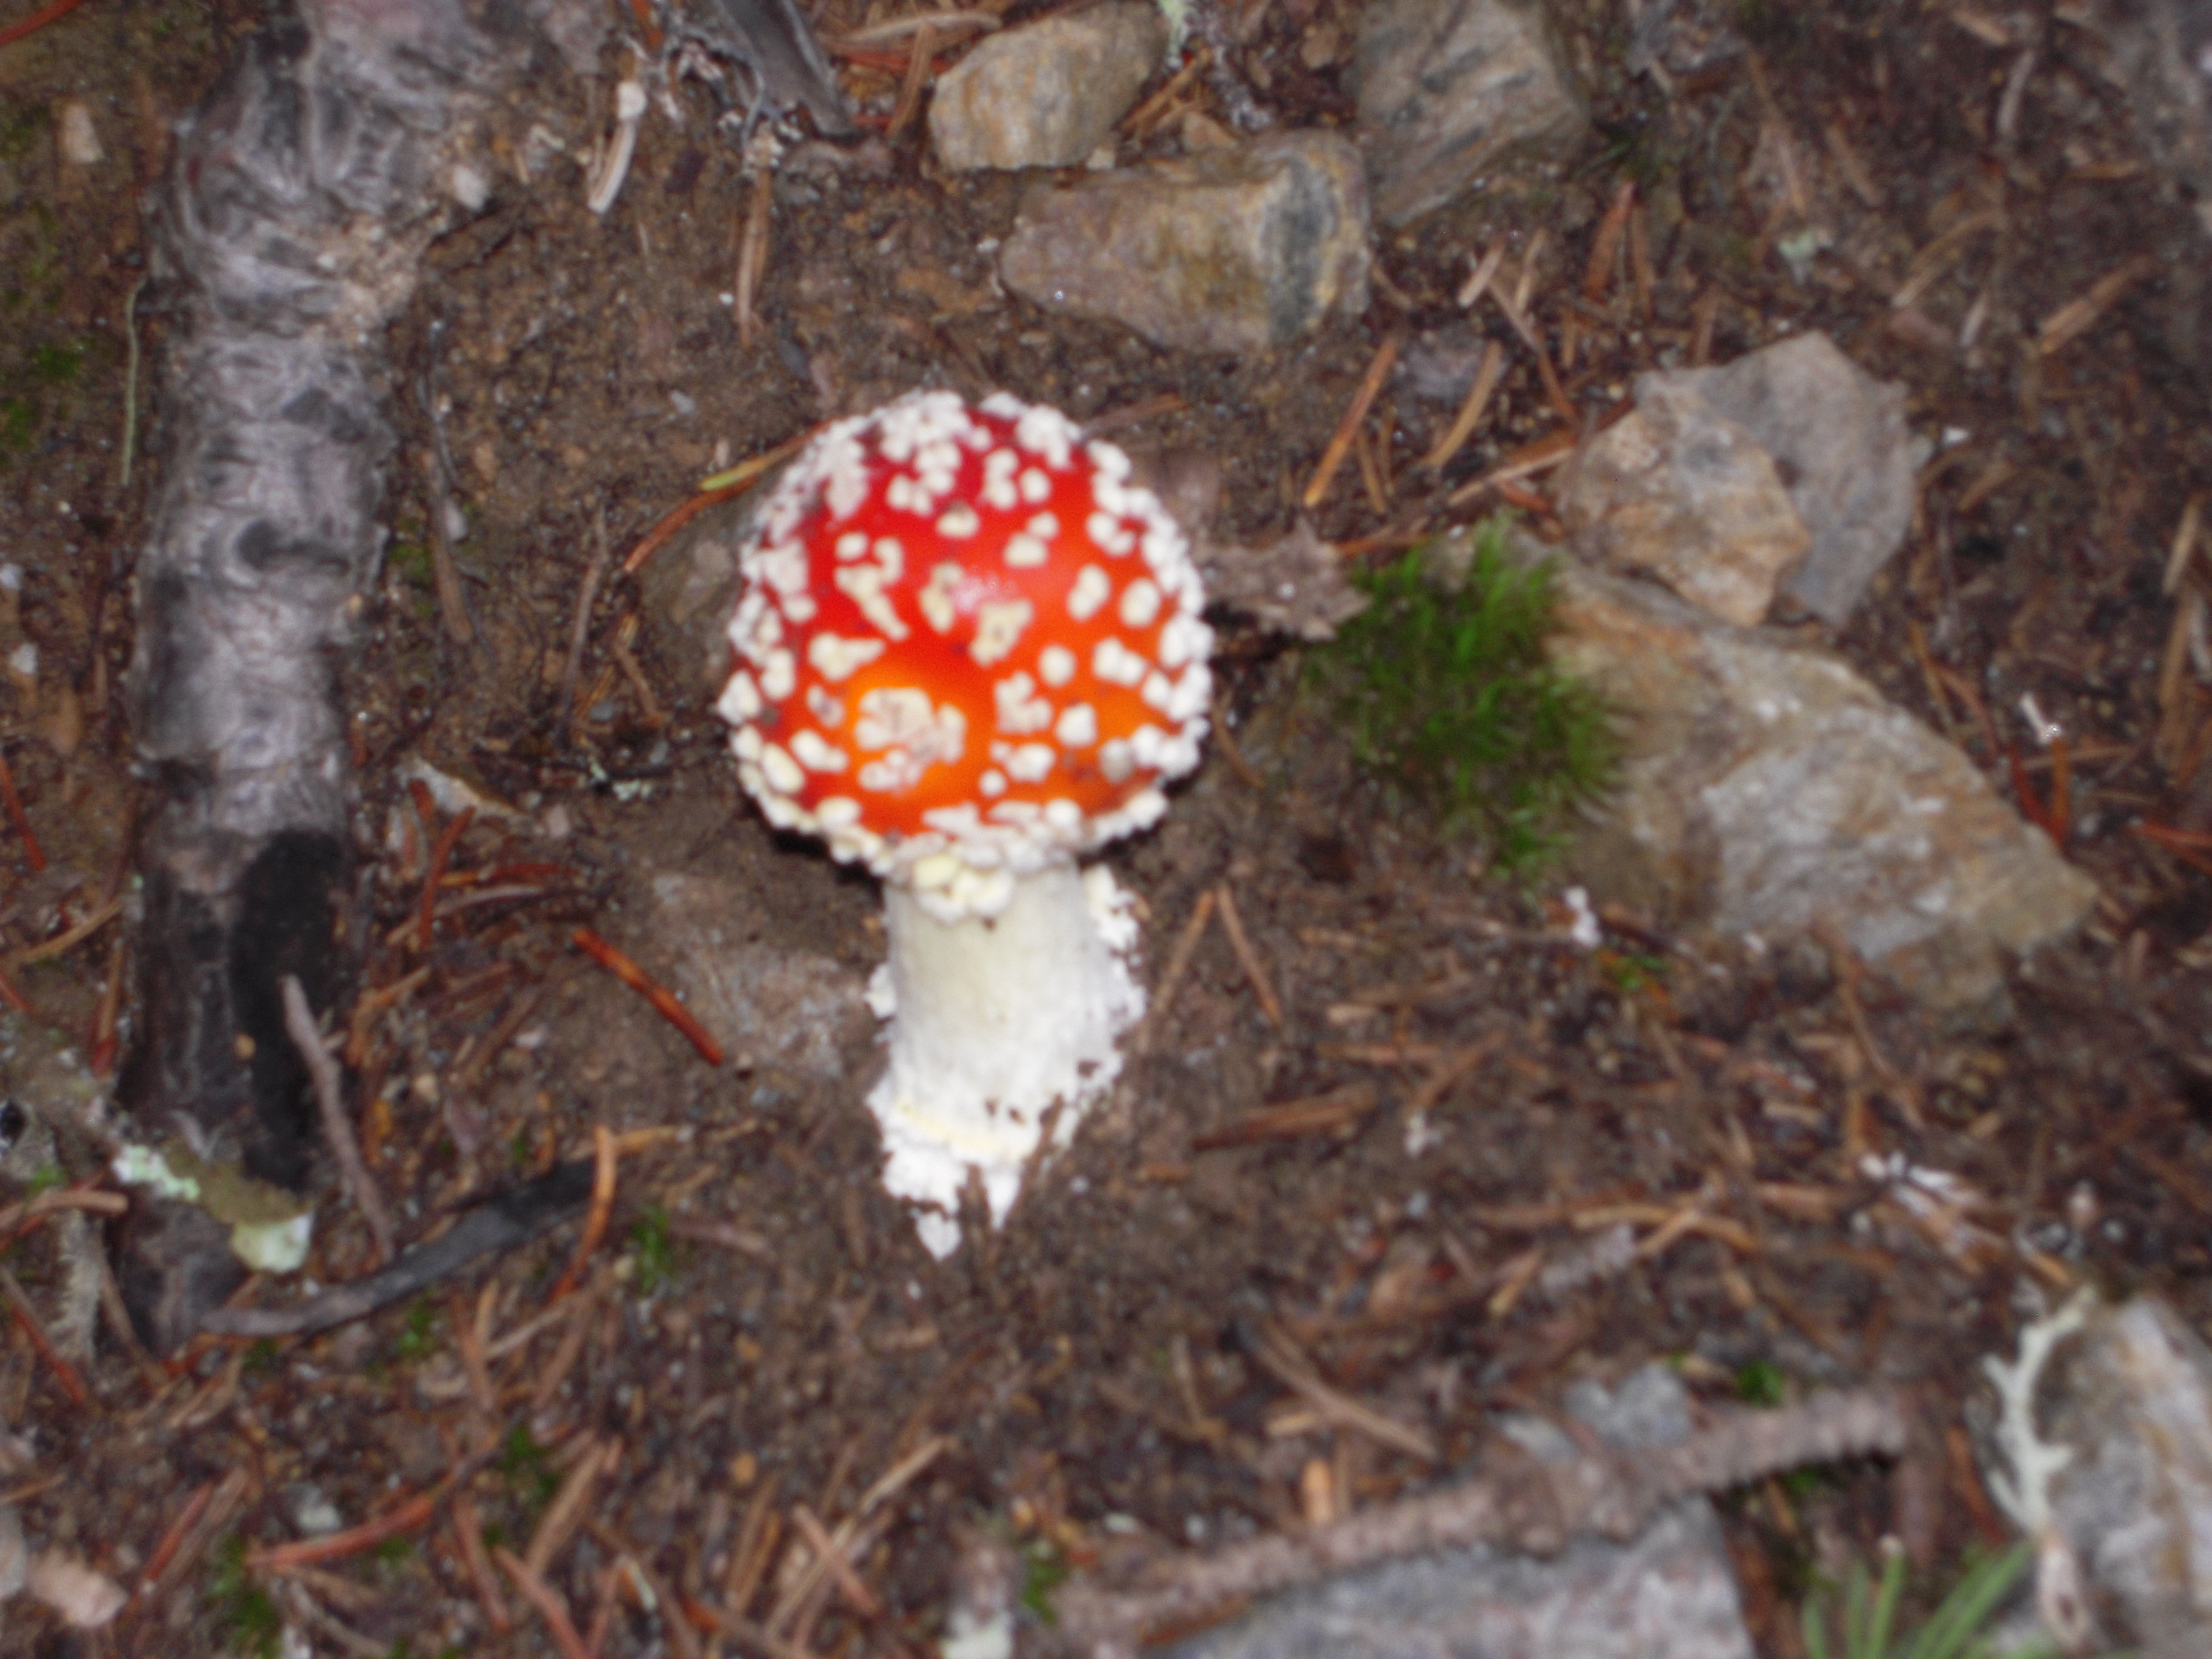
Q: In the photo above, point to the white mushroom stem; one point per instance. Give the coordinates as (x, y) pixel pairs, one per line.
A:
(993, 1021)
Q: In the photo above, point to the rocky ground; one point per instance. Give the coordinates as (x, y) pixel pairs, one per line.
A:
(1402, 1146)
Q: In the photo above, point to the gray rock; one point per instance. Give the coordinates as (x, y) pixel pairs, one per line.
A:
(1047, 94)
(1766, 789)
(1839, 437)
(1451, 89)
(2104, 1439)
(1670, 1593)
(766, 1004)
(1244, 249)
(1679, 492)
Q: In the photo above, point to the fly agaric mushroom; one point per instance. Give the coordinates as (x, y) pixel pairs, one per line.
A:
(969, 650)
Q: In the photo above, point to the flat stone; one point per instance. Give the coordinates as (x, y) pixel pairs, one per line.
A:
(1244, 249)
(1048, 94)
(1767, 790)
(765, 1003)
(1451, 90)
(1670, 1592)
(1680, 493)
(2107, 1443)
(1839, 439)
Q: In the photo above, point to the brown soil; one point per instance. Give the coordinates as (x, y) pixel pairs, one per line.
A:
(764, 1332)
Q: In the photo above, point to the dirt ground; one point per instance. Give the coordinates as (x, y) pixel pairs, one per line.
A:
(761, 1338)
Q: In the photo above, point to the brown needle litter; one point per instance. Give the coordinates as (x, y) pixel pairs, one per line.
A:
(659, 996)
(723, 486)
(1340, 446)
(1241, 943)
(439, 853)
(1470, 412)
(27, 1317)
(337, 1132)
(603, 1162)
(547, 1600)
(33, 853)
(2077, 317)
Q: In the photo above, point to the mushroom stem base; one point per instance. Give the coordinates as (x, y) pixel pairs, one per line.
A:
(997, 1020)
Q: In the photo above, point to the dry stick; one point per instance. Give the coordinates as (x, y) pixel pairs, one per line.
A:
(1295, 1372)
(675, 1618)
(62, 944)
(1486, 271)
(107, 1013)
(33, 853)
(1533, 1508)
(1526, 461)
(917, 77)
(756, 1537)
(1470, 412)
(31, 1211)
(1226, 743)
(649, 709)
(752, 255)
(1371, 384)
(181, 1547)
(468, 1537)
(28, 1318)
(897, 28)
(662, 999)
(566, 1512)
(604, 1162)
(2075, 318)
(543, 1596)
(1233, 925)
(401, 1517)
(448, 838)
(1186, 946)
(579, 629)
(2184, 543)
(1139, 121)
(846, 1540)
(759, 1640)
(323, 1070)
(826, 1550)
(446, 576)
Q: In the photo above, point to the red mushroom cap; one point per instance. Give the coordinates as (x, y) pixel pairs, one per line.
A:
(967, 644)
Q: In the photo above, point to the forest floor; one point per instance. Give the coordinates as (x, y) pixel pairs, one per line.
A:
(762, 1338)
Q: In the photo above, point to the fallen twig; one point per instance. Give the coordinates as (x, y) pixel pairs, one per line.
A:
(1371, 384)
(330, 1102)
(442, 850)
(1470, 413)
(605, 1159)
(579, 628)
(1337, 1112)
(28, 1317)
(62, 944)
(2077, 317)
(1533, 1507)
(468, 1539)
(23, 27)
(861, 1599)
(659, 996)
(544, 1597)
(1247, 959)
